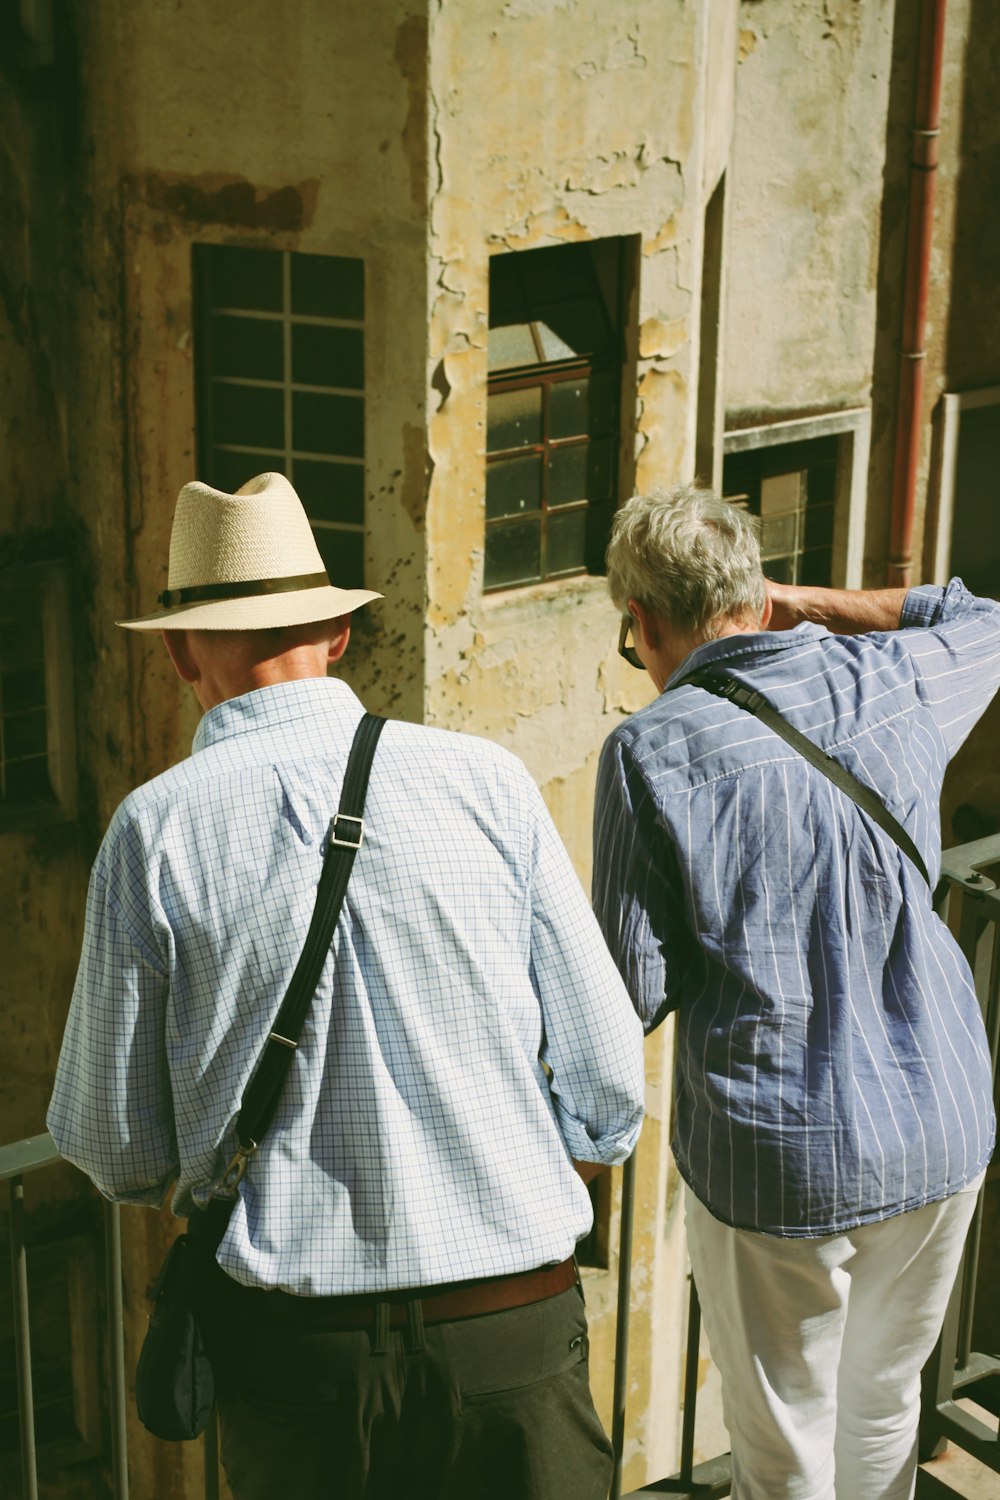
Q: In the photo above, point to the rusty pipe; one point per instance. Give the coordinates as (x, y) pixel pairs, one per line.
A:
(912, 352)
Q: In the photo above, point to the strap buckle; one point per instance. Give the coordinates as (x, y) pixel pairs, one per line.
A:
(236, 1170)
(738, 693)
(346, 842)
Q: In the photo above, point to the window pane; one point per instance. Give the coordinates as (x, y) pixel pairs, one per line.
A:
(230, 471)
(330, 491)
(816, 568)
(24, 734)
(248, 414)
(251, 347)
(513, 419)
(557, 271)
(580, 472)
(243, 278)
(506, 298)
(567, 541)
(582, 405)
(513, 485)
(343, 554)
(513, 554)
(819, 524)
(780, 534)
(511, 345)
(781, 569)
(27, 781)
(574, 328)
(328, 356)
(328, 286)
(328, 424)
(23, 689)
(781, 492)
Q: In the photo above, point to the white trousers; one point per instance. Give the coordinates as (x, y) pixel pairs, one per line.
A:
(820, 1344)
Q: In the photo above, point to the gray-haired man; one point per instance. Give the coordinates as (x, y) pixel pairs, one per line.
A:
(834, 1106)
(396, 1308)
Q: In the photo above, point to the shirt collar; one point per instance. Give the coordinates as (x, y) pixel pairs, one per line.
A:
(274, 707)
(743, 650)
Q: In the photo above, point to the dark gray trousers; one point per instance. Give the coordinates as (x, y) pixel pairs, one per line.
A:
(496, 1407)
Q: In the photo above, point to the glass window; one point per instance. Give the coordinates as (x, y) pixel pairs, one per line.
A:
(792, 488)
(281, 372)
(555, 360)
(37, 754)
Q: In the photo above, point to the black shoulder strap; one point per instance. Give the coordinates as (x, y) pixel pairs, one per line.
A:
(345, 837)
(727, 687)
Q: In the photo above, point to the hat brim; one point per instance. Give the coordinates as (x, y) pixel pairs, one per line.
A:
(261, 612)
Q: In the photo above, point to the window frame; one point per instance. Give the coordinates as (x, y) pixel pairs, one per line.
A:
(544, 375)
(944, 471)
(852, 428)
(287, 319)
(52, 580)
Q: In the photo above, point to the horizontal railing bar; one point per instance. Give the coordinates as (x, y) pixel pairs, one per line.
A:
(971, 1435)
(929, 1487)
(709, 1481)
(978, 1367)
(965, 860)
(27, 1156)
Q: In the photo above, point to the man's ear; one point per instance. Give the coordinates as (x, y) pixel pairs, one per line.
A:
(339, 638)
(765, 618)
(647, 622)
(179, 651)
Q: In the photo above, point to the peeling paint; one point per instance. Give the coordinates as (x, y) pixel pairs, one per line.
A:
(661, 340)
(748, 43)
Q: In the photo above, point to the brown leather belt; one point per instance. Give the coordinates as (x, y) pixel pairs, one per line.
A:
(439, 1304)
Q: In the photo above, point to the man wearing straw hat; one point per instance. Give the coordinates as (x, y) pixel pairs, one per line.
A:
(397, 1309)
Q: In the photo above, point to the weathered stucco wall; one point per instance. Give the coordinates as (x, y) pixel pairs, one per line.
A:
(306, 132)
(805, 191)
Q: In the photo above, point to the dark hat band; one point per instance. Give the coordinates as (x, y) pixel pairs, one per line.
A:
(250, 588)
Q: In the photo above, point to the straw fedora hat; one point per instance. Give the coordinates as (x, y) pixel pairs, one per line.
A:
(247, 561)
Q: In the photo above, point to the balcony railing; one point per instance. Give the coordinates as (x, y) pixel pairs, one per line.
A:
(955, 1372)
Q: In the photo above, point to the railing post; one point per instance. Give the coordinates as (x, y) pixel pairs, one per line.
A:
(690, 1385)
(116, 1348)
(211, 1441)
(621, 1326)
(22, 1340)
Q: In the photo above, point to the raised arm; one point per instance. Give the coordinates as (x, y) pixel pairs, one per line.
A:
(842, 611)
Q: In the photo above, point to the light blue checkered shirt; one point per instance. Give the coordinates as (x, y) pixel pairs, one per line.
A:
(832, 1066)
(469, 1034)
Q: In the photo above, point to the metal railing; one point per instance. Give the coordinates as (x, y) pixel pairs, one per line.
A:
(955, 1371)
(16, 1162)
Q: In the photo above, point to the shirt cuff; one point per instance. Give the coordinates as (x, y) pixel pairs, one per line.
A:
(609, 1149)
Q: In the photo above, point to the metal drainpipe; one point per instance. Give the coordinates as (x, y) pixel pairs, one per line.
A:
(923, 173)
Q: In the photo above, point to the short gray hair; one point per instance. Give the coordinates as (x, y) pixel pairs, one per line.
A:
(688, 556)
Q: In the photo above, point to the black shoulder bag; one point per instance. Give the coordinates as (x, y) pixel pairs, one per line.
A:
(724, 686)
(174, 1384)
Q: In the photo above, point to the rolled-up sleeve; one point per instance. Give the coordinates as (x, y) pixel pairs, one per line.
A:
(111, 1112)
(953, 641)
(592, 1045)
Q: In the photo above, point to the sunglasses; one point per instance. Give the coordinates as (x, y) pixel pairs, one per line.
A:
(629, 652)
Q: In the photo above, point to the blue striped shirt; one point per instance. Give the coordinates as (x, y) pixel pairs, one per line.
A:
(832, 1067)
(469, 1035)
